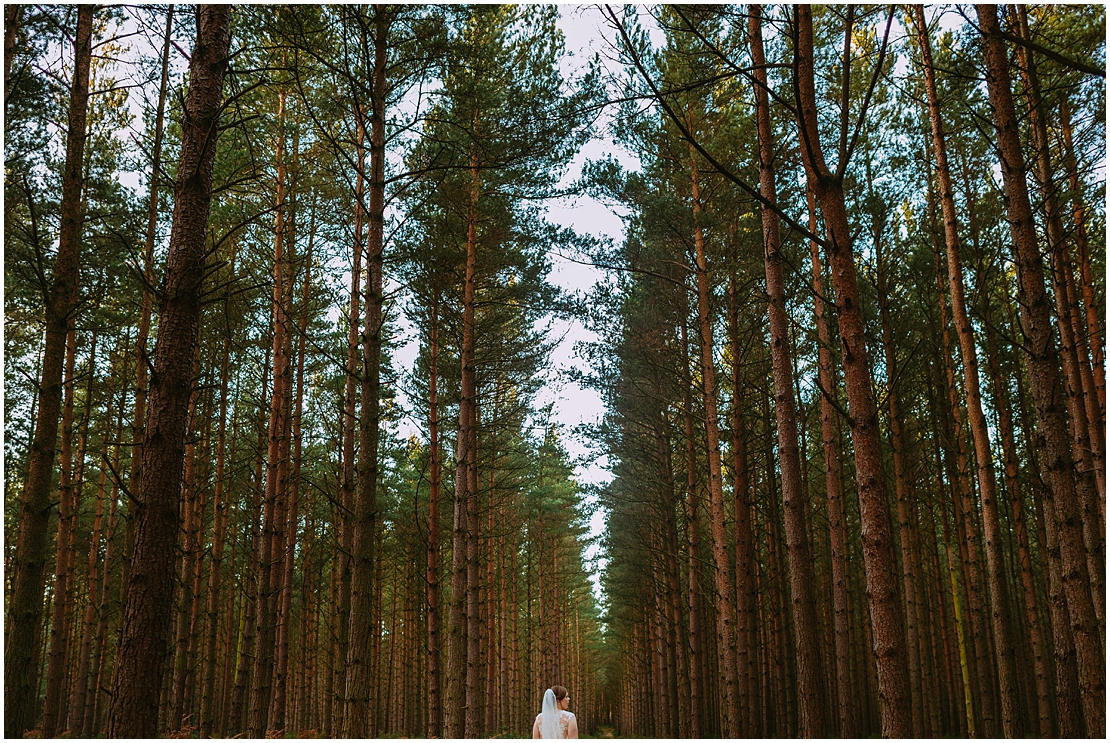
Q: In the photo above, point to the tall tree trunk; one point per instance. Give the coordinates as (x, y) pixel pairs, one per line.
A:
(747, 677)
(992, 529)
(142, 365)
(343, 610)
(78, 712)
(1083, 256)
(358, 716)
(435, 723)
(134, 712)
(457, 640)
(1042, 361)
(811, 681)
(252, 578)
(184, 594)
(693, 541)
(273, 526)
(1087, 451)
(96, 662)
(723, 595)
(25, 606)
(219, 529)
(279, 715)
(889, 649)
(59, 640)
(834, 498)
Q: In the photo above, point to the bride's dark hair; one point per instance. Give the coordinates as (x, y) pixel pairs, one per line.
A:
(560, 692)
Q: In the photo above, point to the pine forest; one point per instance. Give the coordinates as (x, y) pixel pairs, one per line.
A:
(306, 306)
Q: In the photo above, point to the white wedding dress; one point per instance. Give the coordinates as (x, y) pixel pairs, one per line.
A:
(562, 724)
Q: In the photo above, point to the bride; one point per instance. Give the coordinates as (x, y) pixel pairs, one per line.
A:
(554, 721)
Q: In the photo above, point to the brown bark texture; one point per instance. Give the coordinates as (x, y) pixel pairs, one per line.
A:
(25, 606)
(889, 649)
(1042, 362)
(134, 712)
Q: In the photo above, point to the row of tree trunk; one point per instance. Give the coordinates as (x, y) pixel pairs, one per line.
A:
(944, 626)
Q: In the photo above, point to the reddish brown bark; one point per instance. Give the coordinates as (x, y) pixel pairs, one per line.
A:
(693, 545)
(811, 681)
(889, 649)
(1094, 334)
(1087, 451)
(219, 529)
(278, 716)
(992, 530)
(1042, 361)
(723, 596)
(138, 420)
(834, 498)
(78, 708)
(25, 606)
(273, 525)
(435, 723)
(358, 715)
(59, 640)
(134, 712)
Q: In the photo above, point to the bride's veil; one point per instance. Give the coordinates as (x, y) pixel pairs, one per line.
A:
(549, 723)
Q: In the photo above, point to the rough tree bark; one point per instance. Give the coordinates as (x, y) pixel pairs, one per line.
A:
(723, 595)
(142, 365)
(59, 640)
(889, 649)
(834, 497)
(358, 715)
(1042, 362)
(134, 711)
(1083, 407)
(273, 526)
(992, 529)
(25, 605)
(811, 681)
(435, 725)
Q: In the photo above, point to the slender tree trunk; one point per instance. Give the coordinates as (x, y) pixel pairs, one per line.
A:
(834, 498)
(219, 528)
(134, 712)
(1087, 451)
(25, 607)
(279, 714)
(274, 501)
(185, 598)
(811, 681)
(435, 724)
(358, 716)
(726, 636)
(457, 641)
(62, 563)
(196, 579)
(78, 712)
(1042, 361)
(693, 540)
(889, 649)
(343, 610)
(1083, 256)
(250, 611)
(138, 422)
(745, 545)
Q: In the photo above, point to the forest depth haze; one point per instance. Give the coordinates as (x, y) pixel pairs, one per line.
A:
(280, 328)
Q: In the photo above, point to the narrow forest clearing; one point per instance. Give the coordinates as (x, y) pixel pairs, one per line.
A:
(728, 371)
